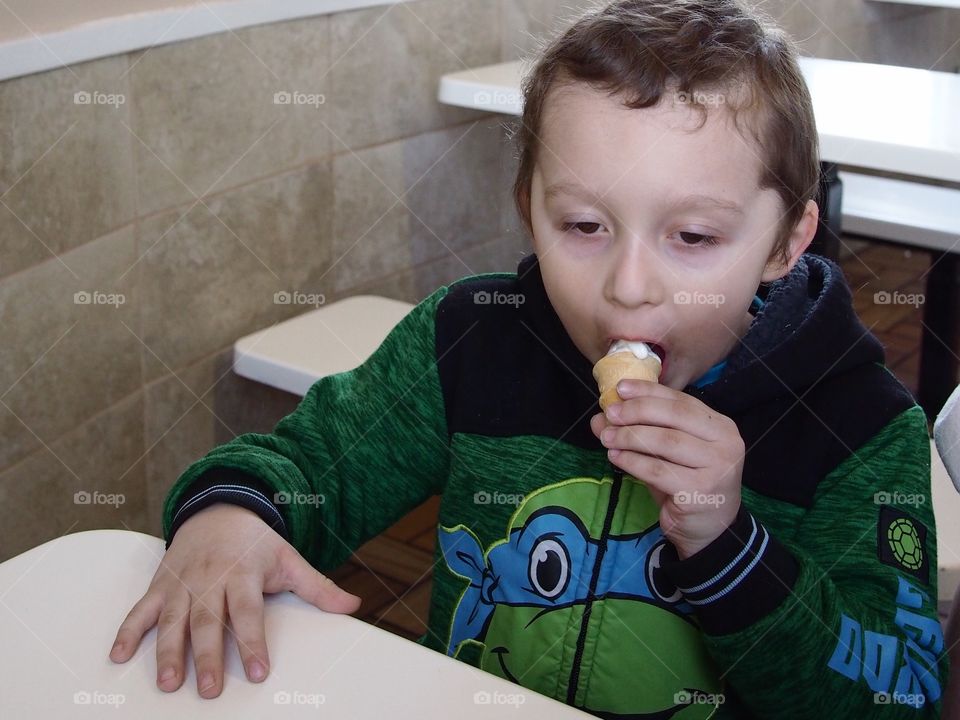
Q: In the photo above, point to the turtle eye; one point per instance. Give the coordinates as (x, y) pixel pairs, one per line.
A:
(660, 586)
(549, 568)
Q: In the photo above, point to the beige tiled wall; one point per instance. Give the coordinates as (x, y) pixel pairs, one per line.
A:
(198, 198)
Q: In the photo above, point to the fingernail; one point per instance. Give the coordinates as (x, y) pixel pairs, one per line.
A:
(168, 674)
(613, 412)
(206, 681)
(606, 437)
(257, 671)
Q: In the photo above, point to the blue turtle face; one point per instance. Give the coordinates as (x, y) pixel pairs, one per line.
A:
(527, 591)
(548, 564)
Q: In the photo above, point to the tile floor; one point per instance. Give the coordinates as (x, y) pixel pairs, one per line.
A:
(393, 572)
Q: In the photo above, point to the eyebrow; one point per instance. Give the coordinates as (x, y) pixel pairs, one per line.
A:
(692, 200)
(572, 188)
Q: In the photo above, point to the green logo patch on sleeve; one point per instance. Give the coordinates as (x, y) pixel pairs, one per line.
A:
(902, 542)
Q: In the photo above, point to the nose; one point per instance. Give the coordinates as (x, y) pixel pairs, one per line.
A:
(634, 277)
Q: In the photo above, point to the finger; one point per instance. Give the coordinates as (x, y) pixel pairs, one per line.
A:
(142, 616)
(171, 641)
(206, 637)
(656, 473)
(597, 423)
(316, 588)
(245, 608)
(647, 409)
(672, 445)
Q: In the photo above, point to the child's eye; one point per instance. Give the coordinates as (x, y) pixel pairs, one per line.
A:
(694, 239)
(585, 228)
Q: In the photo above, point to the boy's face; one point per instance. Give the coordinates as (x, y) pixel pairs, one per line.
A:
(634, 264)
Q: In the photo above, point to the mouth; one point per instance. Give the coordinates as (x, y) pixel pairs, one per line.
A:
(500, 652)
(657, 348)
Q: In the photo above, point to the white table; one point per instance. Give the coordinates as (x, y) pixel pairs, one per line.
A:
(294, 354)
(62, 602)
(880, 117)
(924, 3)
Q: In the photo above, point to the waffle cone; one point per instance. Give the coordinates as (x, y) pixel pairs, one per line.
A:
(611, 369)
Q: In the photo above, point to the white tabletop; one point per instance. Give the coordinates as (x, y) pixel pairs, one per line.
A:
(294, 354)
(924, 3)
(881, 117)
(62, 602)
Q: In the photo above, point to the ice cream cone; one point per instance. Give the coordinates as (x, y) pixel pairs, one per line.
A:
(619, 365)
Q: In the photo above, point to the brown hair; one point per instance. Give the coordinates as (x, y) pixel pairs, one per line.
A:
(644, 48)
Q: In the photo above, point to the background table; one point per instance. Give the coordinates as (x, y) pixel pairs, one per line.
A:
(881, 117)
(294, 354)
(62, 602)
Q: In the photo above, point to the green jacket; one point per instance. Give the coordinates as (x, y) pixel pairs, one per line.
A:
(551, 568)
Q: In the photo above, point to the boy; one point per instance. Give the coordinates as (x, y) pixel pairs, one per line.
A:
(737, 539)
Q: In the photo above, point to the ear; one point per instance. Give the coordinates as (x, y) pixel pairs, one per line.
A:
(800, 240)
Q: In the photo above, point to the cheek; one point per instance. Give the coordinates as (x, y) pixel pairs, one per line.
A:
(708, 326)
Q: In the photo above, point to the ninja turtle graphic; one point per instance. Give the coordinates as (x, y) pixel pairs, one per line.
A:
(572, 604)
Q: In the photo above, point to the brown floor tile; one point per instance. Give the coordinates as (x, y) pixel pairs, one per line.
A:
(427, 541)
(416, 521)
(909, 329)
(411, 611)
(908, 371)
(394, 559)
(880, 317)
(376, 591)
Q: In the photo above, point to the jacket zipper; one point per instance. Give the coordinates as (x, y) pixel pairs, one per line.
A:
(594, 579)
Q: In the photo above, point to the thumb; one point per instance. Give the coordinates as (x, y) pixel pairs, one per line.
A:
(317, 589)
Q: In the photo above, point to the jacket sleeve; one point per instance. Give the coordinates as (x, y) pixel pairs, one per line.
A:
(361, 449)
(840, 620)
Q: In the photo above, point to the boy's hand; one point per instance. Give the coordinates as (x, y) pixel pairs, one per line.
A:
(689, 456)
(221, 562)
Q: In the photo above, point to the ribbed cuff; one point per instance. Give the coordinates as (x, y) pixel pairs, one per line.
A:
(737, 579)
(226, 485)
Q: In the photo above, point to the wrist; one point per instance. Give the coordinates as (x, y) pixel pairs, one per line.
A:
(741, 576)
(688, 548)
